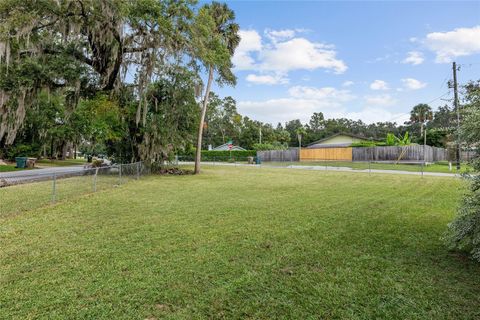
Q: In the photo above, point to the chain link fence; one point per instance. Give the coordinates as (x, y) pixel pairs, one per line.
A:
(29, 189)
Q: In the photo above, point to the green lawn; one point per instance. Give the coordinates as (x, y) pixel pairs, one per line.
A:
(242, 243)
(61, 163)
(8, 168)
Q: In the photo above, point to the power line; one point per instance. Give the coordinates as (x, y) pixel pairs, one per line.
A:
(407, 113)
(448, 92)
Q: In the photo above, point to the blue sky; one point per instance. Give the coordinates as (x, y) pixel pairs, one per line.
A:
(362, 60)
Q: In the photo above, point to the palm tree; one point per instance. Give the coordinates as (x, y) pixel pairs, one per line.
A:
(421, 113)
(221, 40)
(300, 133)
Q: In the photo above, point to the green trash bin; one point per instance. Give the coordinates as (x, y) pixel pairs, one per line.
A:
(21, 162)
(258, 160)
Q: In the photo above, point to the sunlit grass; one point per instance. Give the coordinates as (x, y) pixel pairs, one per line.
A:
(61, 163)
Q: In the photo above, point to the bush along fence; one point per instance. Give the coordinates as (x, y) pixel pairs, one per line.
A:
(210, 155)
(25, 190)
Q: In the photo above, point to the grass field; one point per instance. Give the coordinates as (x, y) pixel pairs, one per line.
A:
(61, 163)
(8, 168)
(242, 243)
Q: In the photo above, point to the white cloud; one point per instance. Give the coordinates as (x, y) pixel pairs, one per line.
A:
(413, 84)
(300, 53)
(452, 44)
(372, 115)
(383, 100)
(284, 53)
(276, 35)
(250, 41)
(326, 93)
(282, 110)
(302, 102)
(414, 57)
(348, 83)
(266, 79)
(379, 85)
(285, 109)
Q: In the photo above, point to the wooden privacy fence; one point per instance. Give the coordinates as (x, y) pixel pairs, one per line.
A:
(397, 153)
(467, 155)
(278, 155)
(414, 153)
(341, 154)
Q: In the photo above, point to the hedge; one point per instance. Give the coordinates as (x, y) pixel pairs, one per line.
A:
(211, 155)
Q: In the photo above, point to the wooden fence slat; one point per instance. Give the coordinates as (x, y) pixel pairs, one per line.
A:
(387, 153)
(278, 155)
(340, 154)
(394, 153)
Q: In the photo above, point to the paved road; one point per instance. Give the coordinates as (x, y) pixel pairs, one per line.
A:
(39, 174)
(328, 168)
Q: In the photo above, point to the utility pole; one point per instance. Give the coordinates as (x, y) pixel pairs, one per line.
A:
(457, 109)
(425, 142)
(260, 134)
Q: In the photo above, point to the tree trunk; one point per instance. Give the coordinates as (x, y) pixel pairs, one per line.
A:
(70, 150)
(64, 150)
(198, 155)
(51, 149)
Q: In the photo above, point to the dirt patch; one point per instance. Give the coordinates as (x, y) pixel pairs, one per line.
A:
(172, 171)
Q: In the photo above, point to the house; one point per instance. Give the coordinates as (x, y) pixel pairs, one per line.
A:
(224, 147)
(337, 140)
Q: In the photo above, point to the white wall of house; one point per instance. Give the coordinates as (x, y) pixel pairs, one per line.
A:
(340, 140)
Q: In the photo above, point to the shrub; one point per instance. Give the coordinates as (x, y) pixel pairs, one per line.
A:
(464, 231)
(211, 155)
(390, 140)
(364, 144)
(269, 146)
(22, 150)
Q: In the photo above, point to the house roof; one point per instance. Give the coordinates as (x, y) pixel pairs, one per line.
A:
(341, 134)
(225, 147)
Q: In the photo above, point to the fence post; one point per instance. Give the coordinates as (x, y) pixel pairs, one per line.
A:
(138, 170)
(54, 187)
(95, 180)
(120, 174)
(423, 163)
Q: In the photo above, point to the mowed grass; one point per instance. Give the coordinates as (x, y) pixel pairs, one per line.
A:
(8, 168)
(61, 163)
(242, 243)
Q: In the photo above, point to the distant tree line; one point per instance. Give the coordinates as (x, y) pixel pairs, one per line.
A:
(224, 123)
